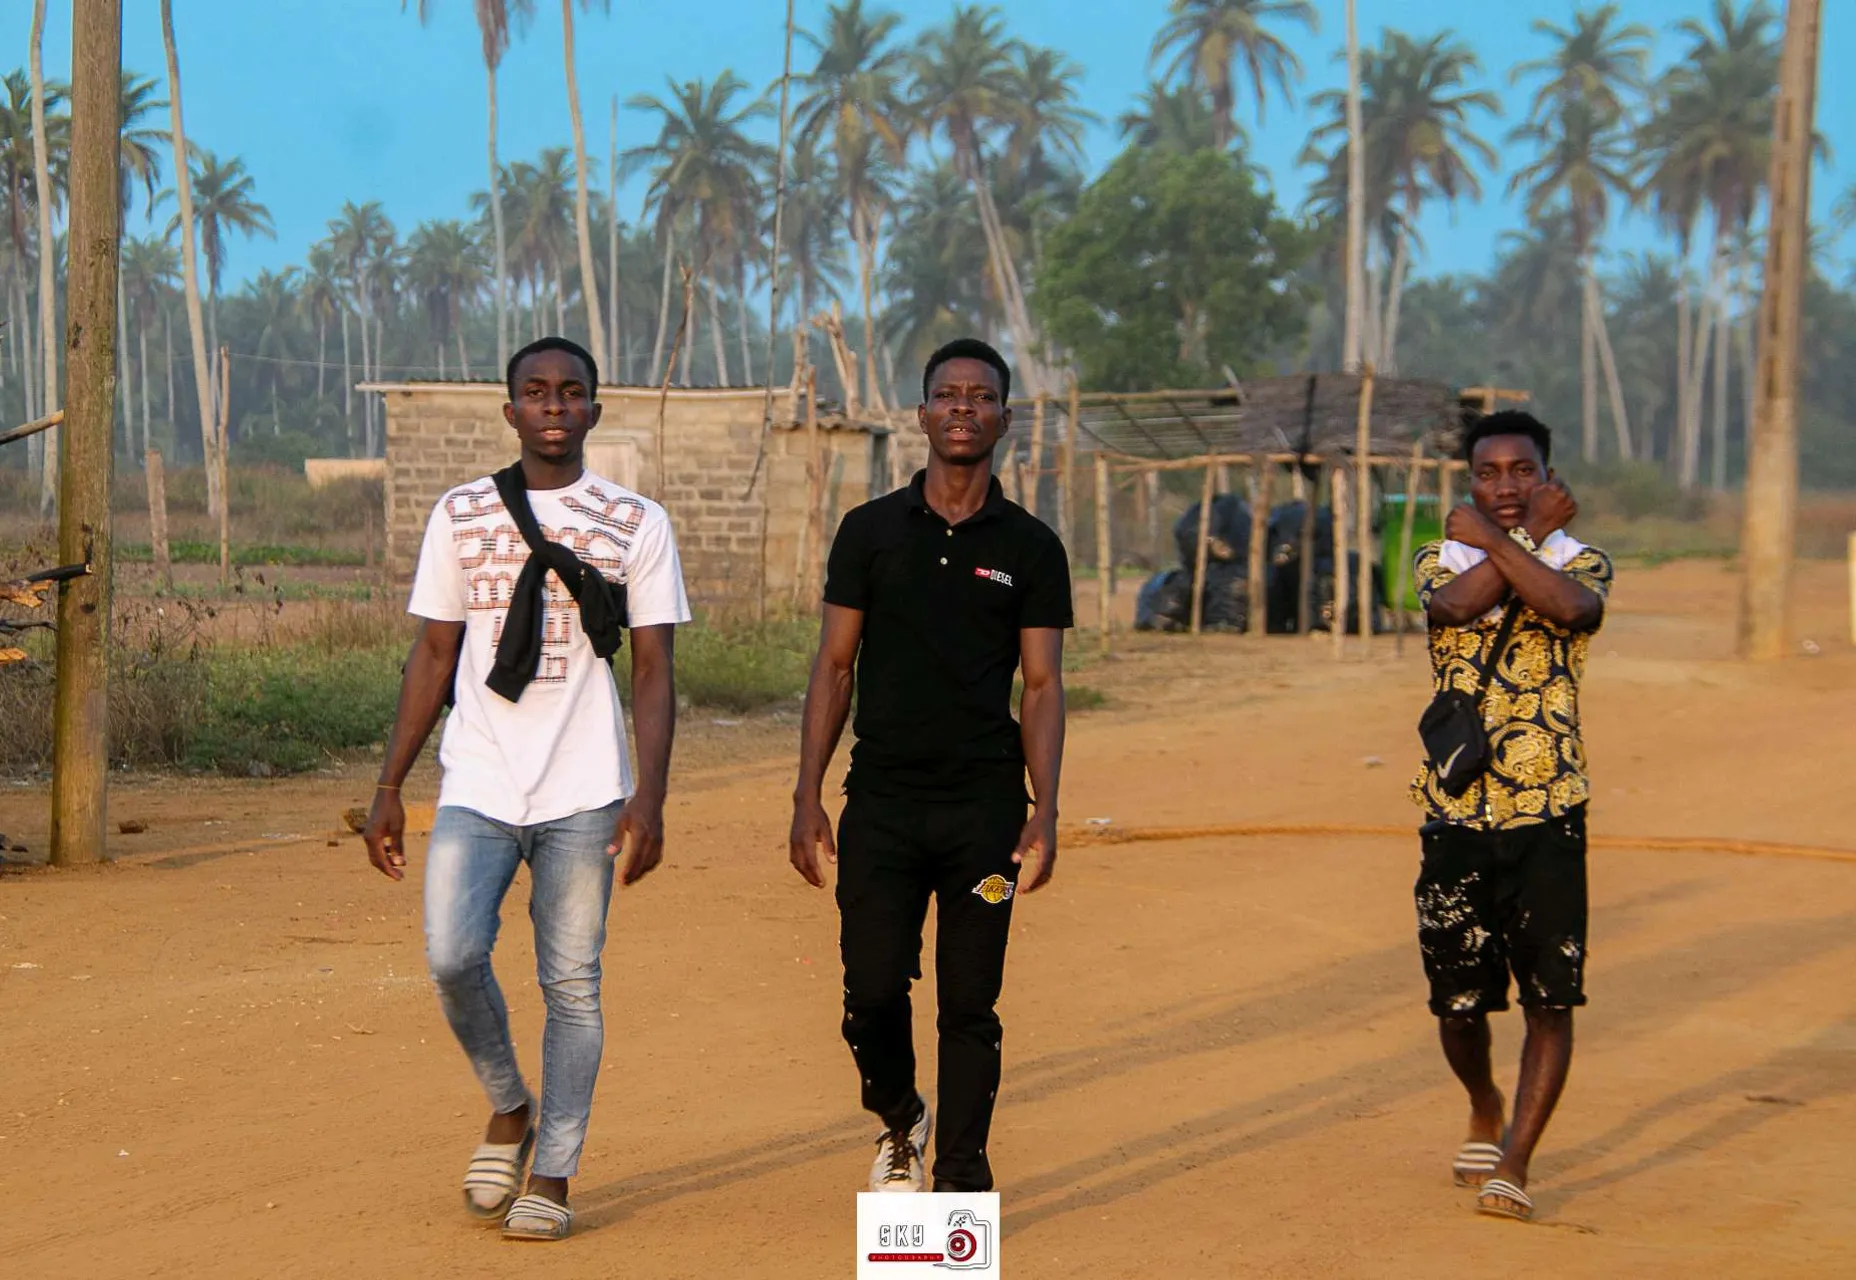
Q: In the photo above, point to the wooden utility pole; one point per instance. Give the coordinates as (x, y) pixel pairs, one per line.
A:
(1772, 455)
(1256, 590)
(224, 437)
(1105, 553)
(1352, 335)
(156, 476)
(1362, 495)
(80, 708)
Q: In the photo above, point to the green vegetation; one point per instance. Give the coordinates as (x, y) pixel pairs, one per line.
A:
(246, 554)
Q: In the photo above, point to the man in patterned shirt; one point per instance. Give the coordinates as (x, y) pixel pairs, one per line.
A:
(1502, 889)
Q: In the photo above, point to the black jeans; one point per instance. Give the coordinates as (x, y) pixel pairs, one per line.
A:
(892, 854)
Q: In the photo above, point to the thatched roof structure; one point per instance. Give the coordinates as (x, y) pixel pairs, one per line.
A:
(1301, 413)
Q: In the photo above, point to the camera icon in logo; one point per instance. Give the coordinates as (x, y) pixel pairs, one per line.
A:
(969, 1242)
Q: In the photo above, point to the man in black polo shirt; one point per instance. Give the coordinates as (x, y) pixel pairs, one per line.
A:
(935, 595)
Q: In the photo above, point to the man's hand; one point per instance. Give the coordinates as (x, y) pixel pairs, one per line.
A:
(811, 833)
(638, 837)
(1470, 527)
(1036, 854)
(385, 834)
(1550, 507)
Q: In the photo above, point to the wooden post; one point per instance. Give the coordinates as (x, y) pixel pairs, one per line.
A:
(1305, 606)
(1199, 556)
(1363, 502)
(1257, 618)
(1338, 627)
(224, 434)
(1030, 500)
(1150, 483)
(1446, 483)
(80, 704)
(803, 555)
(158, 518)
(1406, 523)
(1853, 588)
(1104, 550)
(1066, 463)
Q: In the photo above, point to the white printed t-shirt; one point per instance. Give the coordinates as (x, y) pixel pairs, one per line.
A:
(560, 749)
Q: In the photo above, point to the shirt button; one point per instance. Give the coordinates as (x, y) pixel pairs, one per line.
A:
(950, 533)
(943, 559)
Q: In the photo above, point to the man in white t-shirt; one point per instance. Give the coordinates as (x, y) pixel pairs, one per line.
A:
(543, 778)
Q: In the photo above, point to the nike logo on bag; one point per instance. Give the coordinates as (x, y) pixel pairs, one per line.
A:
(1444, 769)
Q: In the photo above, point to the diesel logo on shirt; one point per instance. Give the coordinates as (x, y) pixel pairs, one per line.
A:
(997, 575)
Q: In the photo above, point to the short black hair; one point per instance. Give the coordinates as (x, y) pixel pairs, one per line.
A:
(969, 349)
(568, 345)
(1509, 422)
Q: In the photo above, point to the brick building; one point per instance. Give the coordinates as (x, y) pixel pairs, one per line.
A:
(739, 548)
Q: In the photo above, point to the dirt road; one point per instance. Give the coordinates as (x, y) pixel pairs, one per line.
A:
(222, 1057)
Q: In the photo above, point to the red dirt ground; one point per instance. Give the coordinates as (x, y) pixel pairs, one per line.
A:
(222, 1056)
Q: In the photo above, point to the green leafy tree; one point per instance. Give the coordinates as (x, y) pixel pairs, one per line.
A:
(1172, 267)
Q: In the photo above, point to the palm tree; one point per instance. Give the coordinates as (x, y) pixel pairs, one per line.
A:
(1206, 39)
(1584, 160)
(150, 272)
(190, 271)
(938, 274)
(320, 301)
(1044, 135)
(1177, 120)
(540, 200)
(446, 271)
(855, 98)
(1579, 117)
(965, 87)
(1420, 146)
(19, 190)
(358, 238)
(496, 20)
(1594, 61)
(583, 230)
(813, 246)
(1708, 144)
(48, 299)
(141, 162)
(223, 202)
(272, 302)
(704, 165)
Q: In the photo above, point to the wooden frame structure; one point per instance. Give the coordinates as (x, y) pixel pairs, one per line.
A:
(1346, 435)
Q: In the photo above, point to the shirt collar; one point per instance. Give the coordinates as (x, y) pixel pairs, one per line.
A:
(990, 509)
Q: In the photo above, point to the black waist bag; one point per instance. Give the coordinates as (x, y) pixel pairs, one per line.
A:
(1451, 727)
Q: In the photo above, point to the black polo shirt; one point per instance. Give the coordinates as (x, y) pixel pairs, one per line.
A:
(943, 605)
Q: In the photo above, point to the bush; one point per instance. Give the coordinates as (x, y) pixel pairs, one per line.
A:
(292, 709)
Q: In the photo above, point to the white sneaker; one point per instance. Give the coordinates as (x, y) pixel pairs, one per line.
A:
(899, 1156)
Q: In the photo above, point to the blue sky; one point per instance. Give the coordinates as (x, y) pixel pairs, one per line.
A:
(330, 100)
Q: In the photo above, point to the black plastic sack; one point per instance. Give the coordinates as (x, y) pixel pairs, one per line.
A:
(1227, 537)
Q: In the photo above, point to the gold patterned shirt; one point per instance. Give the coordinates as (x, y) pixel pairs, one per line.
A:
(1531, 711)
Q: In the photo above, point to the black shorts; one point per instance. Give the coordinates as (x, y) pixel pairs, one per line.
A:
(1491, 903)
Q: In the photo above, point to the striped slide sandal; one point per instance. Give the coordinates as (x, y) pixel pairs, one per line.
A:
(1475, 1162)
(534, 1217)
(494, 1174)
(1497, 1190)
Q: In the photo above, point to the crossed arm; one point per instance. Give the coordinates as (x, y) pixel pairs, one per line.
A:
(1558, 597)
